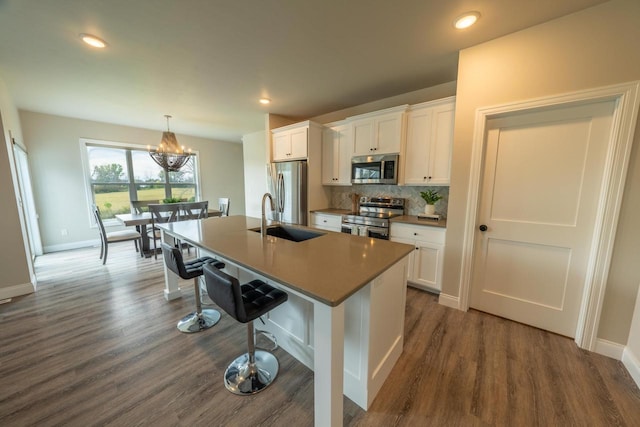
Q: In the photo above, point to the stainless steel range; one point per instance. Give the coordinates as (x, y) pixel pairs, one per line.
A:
(372, 219)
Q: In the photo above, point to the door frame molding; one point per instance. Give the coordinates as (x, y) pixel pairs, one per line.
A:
(627, 100)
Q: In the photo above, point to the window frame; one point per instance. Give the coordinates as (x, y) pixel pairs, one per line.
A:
(128, 147)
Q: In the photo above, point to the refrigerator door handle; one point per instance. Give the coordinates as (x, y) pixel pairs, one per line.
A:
(281, 193)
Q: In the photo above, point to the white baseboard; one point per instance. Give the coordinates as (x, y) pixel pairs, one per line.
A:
(449, 301)
(609, 348)
(632, 364)
(72, 245)
(16, 290)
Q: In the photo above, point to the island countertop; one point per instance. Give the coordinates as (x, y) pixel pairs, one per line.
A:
(329, 268)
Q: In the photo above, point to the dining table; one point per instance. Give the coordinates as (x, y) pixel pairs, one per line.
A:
(142, 220)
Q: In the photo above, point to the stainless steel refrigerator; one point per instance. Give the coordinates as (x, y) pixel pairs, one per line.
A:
(288, 186)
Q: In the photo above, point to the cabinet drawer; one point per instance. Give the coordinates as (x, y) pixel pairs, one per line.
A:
(418, 232)
(327, 221)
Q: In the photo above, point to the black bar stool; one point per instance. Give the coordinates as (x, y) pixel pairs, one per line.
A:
(200, 319)
(255, 370)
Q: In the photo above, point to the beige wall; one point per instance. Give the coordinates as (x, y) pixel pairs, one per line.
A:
(254, 152)
(16, 278)
(59, 181)
(592, 48)
(423, 95)
(633, 345)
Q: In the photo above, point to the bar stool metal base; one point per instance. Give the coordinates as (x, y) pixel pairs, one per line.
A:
(244, 378)
(193, 322)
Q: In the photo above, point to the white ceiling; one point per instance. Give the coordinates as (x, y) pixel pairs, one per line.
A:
(207, 62)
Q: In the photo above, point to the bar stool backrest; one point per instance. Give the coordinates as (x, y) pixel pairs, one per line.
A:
(225, 291)
(174, 261)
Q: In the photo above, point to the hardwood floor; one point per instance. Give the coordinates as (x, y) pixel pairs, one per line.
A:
(98, 345)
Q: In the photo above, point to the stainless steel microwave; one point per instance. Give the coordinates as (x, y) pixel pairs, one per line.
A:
(381, 169)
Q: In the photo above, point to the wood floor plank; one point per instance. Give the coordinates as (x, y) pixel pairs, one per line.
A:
(98, 345)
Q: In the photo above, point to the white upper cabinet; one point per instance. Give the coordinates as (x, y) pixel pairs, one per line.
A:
(290, 142)
(427, 154)
(336, 154)
(380, 132)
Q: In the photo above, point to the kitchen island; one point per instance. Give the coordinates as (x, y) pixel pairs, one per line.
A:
(345, 314)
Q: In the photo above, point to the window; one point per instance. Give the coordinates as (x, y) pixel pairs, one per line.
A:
(118, 174)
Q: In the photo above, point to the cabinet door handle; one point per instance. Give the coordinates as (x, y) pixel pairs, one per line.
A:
(483, 228)
(415, 234)
(417, 249)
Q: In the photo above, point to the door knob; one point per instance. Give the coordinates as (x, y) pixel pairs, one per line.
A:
(483, 227)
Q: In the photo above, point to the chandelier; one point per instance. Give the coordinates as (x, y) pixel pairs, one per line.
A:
(169, 154)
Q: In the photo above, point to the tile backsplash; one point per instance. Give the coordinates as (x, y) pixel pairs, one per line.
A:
(341, 196)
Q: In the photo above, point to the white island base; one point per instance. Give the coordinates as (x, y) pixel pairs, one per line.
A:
(373, 331)
(346, 323)
(370, 322)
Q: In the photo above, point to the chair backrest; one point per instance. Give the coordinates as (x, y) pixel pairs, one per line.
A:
(161, 213)
(225, 291)
(98, 218)
(174, 261)
(139, 206)
(223, 205)
(194, 210)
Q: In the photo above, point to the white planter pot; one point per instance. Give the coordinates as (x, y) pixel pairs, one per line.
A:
(429, 209)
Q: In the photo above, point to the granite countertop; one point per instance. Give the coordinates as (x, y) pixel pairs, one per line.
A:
(414, 220)
(329, 268)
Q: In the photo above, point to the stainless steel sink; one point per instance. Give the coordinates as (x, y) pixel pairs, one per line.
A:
(290, 233)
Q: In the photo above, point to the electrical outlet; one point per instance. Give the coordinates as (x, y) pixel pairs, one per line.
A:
(64, 231)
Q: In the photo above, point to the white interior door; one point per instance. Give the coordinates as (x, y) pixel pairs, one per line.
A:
(541, 185)
(27, 202)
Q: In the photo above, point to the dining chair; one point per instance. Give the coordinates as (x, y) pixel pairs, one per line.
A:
(160, 214)
(114, 236)
(140, 206)
(193, 210)
(223, 205)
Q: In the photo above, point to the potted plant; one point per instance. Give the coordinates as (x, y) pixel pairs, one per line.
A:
(431, 197)
(171, 200)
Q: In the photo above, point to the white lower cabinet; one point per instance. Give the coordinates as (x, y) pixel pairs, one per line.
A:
(425, 263)
(325, 221)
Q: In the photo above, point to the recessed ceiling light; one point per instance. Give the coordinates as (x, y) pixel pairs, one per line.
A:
(466, 20)
(93, 40)
(264, 101)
